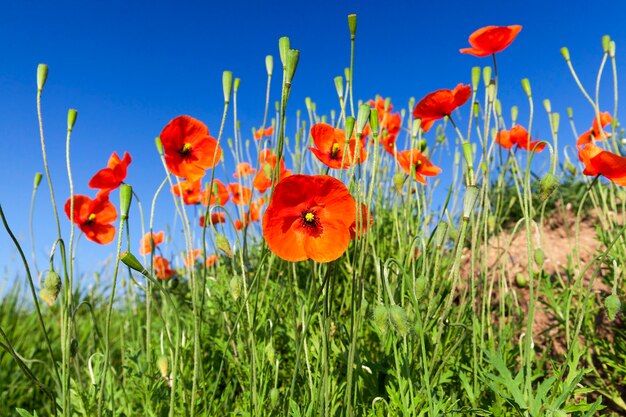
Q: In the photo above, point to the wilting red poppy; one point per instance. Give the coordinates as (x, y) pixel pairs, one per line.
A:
(240, 195)
(189, 149)
(113, 175)
(190, 191)
(364, 225)
(439, 104)
(243, 170)
(211, 260)
(264, 132)
(162, 268)
(309, 217)
(150, 241)
(219, 195)
(330, 144)
(420, 163)
(600, 162)
(596, 132)
(94, 217)
(520, 137)
(267, 162)
(491, 39)
(215, 218)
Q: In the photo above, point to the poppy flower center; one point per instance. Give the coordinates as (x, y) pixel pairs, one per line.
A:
(309, 217)
(185, 150)
(91, 218)
(309, 220)
(334, 151)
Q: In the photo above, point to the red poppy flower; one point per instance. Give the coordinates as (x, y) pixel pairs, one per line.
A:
(379, 105)
(600, 162)
(364, 225)
(149, 242)
(330, 144)
(309, 217)
(243, 170)
(520, 137)
(421, 164)
(267, 162)
(190, 258)
(439, 104)
(596, 132)
(240, 195)
(239, 225)
(190, 191)
(211, 260)
(113, 175)
(491, 39)
(162, 268)
(219, 195)
(264, 132)
(94, 217)
(216, 218)
(189, 150)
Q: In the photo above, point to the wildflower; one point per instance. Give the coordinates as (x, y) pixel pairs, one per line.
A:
(597, 161)
(520, 137)
(240, 195)
(243, 170)
(189, 149)
(162, 268)
(267, 161)
(596, 132)
(215, 218)
(149, 242)
(379, 104)
(365, 223)
(94, 217)
(191, 191)
(263, 133)
(420, 164)
(309, 217)
(439, 104)
(219, 194)
(330, 144)
(113, 175)
(191, 257)
(491, 39)
(211, 260)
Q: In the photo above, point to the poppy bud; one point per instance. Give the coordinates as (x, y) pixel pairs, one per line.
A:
(346, 73)
(307, 103)
(37, 180)
(422, 145)
(547, 186)
(162, 365)
(269, 65)
(398, 181)
(159, 145)
(420, 287)
(498, 106)
(521, 280)
(363, 117)
(570, 168)
(234, 286)
(514, 112)
(350, 121)
(274, 396)
(71, 119)
(227, 85)
(399, 320)
(491, 222)
(559, 413)
(416, 127)
(468, 154)
(283, 48)
(352, 25)
(613, 305)
(73, 347)
(222, 244)
(51, 287)
(539, 257)
(293, 56)
(475, 77)
(491, 91)
(42, 76)
(339, 86)
(126, 196)
(555, 121)
(440, 234)
(570, 112)
(486, 75)
(411, 102)
(374, 121)
(606, 40)
(270, 353)
(526, 87)
(236, 84)
(380, 316)
(612, 49)
(565, 53)
(469, 201)
(547, 105)
(132, 262)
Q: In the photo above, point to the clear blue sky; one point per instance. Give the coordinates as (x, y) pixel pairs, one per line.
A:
(129, 67)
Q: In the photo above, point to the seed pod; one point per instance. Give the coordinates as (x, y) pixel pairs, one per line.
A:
(539, 257)
(521, 280)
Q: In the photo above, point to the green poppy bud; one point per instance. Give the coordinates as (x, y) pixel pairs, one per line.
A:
(269, 65)
(521, 280)
(293, 57)
(514, 113)
(539, 257)
(350, 122)
(420, 287)
(126, 196)
(42, 76)
(613, 306)
(234, 286)
(71, 119)
(352, 25)
(363, 117)
(37, 180)
(221, 242)
(475, 77)
(606, 40)
(486, 75)
(565, 53)
(526, 87)
(547, 186)
(283, 48)
(227, 85)
(469, 201)
(399, 320)
(380, 317)
(51, 287)
(339, 86)
(547, 105)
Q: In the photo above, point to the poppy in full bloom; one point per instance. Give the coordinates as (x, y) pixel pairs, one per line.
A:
(379, 104)
(188, 147)
(191, 191)
(215, 218)
(330, 144)
(94, 217)
(240, 195)
(219, 194)
(597, 161)
(309, 217)
(162, 268)
(520, 137)
(264, 132)
(149, 242)
(363, 225)
(596, 132)
(243, 170)
(211, 260)
(267, 161)
(491, 39)
(419, 162)
(113, 175)
(439, 104)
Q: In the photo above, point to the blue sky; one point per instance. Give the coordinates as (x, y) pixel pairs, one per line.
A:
(129, 67)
